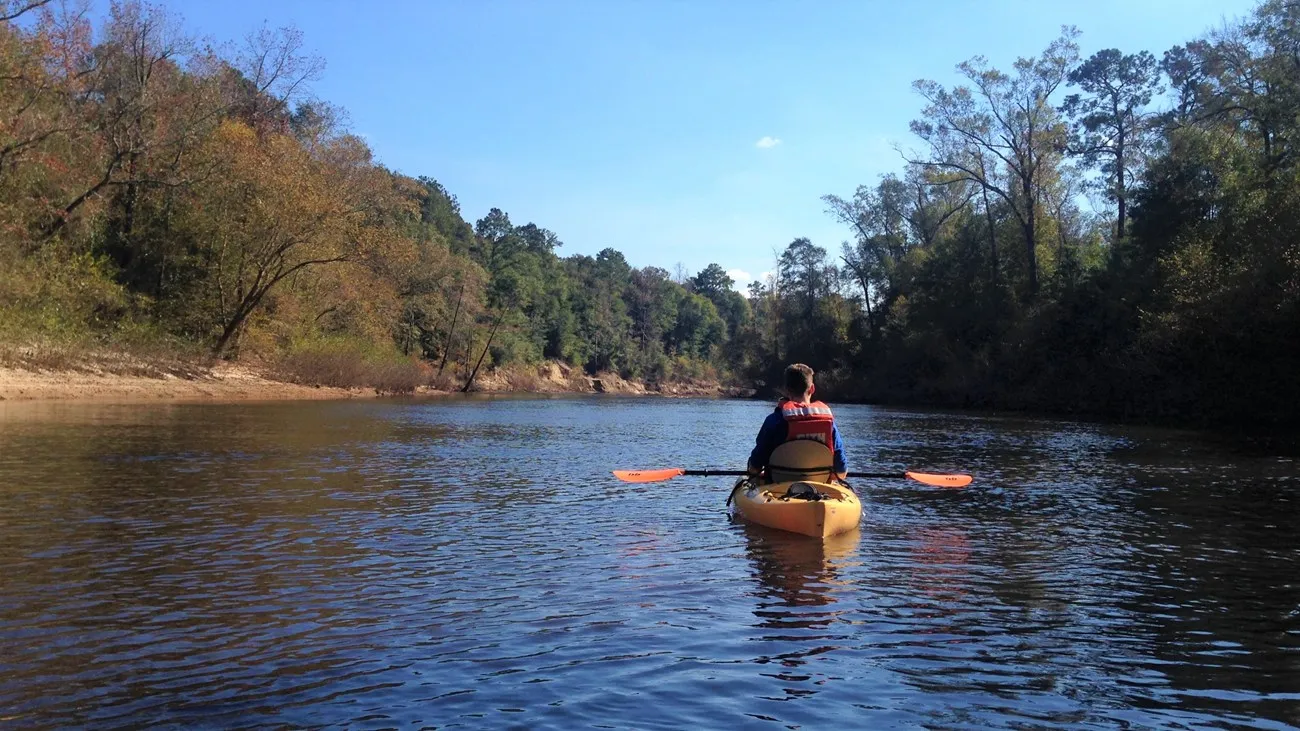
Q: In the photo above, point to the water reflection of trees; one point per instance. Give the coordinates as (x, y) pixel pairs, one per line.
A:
(169, 535)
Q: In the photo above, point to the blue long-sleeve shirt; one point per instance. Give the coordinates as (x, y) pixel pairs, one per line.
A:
(773, 433)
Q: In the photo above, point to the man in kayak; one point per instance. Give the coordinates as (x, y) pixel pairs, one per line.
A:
(797, 416)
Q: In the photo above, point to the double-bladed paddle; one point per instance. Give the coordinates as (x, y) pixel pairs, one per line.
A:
(670, 473)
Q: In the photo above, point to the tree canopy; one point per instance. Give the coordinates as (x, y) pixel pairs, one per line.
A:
(1115, 234)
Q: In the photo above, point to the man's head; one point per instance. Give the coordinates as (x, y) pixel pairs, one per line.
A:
(798, 381)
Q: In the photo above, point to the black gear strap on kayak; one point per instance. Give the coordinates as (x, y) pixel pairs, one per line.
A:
(739, 485)
(806, 472)
(803, 491)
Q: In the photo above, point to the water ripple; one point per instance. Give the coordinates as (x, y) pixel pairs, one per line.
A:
(471, 564)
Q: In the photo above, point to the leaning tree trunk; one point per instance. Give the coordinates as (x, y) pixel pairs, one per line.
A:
(452, 332)
(470, 381)
(230, 333)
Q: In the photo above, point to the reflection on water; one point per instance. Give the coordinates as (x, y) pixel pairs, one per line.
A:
(472, 564)
(940, 557)
(794, 605)
(793, 571)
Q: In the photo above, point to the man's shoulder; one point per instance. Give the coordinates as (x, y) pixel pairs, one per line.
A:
(774, 420)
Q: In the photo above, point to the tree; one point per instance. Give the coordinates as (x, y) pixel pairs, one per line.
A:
(712, 281)
(43, 82)
(600, 309)
(1248, 76)
(1008, 121)
(652, 299)
(538, 241)
(805, 276)
(276, 71)
(877, 240)
(698, 328)
(497, 240)
(888, 222)
(501, 250)
(11, 10)
(272, 212)
(150, 118)
(806, 301)
(148, 185)
(440, 210)
(1111, 125)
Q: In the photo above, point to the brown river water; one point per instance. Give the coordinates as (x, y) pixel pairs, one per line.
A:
(473, 564)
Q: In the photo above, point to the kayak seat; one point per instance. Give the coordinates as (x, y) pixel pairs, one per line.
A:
(801, 459)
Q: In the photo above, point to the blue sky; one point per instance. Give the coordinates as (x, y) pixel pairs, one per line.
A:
(637, 124)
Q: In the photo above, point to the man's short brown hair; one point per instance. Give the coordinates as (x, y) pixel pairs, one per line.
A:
(798, 377)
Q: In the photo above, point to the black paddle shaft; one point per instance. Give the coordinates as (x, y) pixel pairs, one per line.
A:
(737, 473)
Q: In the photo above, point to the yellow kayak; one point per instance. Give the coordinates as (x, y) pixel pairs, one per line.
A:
(817, 509)
(799, 493)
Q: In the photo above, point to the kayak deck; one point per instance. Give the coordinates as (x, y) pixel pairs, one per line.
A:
(816, 509)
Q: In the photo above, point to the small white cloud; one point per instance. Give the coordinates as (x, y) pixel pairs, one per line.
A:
(743, 279)
(767, 143)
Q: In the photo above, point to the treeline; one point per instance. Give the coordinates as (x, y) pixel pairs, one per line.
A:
(1114, 234)
(153, 189)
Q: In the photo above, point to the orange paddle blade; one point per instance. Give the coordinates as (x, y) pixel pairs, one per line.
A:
(648, 475)
(941, 480)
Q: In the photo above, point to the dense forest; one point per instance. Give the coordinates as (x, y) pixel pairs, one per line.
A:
(1113, 235)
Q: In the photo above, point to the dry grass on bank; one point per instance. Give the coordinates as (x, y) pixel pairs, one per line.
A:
(344, 367)
(157, 362)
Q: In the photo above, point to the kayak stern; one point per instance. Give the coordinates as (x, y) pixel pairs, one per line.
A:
(833, 509)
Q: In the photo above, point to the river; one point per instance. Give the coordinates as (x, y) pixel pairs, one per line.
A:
(473, 564)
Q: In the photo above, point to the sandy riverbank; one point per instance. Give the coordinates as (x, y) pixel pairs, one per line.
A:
(221, 383)
(234, 382)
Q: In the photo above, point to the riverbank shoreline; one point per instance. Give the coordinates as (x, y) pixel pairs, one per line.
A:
(235, 382)
(220, 383)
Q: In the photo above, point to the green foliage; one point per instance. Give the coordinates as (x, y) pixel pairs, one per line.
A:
(440, 211)
(699, 329)
(59, 294)
(164, 197)
(1112, 127)
(1189, 314)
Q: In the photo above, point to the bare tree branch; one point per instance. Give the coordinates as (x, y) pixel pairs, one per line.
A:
(13, 9)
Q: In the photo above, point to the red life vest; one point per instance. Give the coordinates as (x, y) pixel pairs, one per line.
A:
(809, 421)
